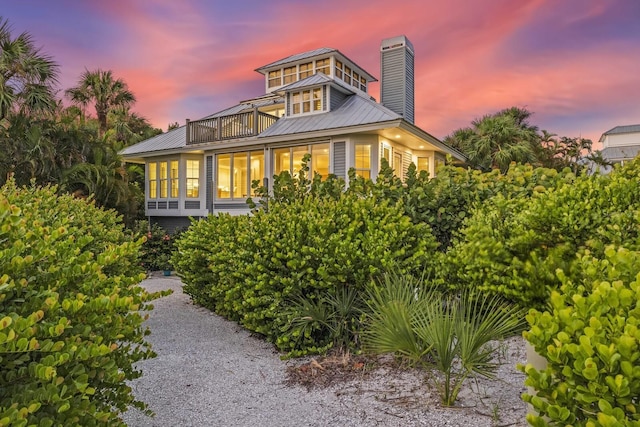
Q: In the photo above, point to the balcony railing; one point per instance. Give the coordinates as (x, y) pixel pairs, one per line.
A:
(240, 125)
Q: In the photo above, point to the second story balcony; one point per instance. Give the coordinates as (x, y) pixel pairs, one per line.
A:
(234, 126)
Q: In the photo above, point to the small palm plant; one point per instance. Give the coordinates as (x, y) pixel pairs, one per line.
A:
(449, 332)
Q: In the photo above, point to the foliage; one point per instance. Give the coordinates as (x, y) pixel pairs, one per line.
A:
(252, 268)
(334, 317)
(27, 75)
(496, 140)
(104, 91)
(590, 337)
(70, 311)
(450, 332)
(155, 252)
(513, 246)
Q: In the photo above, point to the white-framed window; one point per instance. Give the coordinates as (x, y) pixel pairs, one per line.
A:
(339, 69)
(235, 173)
(193, 179)
(289, 75)
(164, 182)
(290, 159)
(323, 66)
(152, 176)
(363, 159)
(423, 164)
(306, 70)
(349, 76)
(306, 101)
(275, 78)
(174, 179)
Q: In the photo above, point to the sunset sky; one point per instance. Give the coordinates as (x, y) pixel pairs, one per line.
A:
(574, 63)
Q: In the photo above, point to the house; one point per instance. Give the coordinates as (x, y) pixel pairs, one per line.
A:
(621, 144)
(315, 102)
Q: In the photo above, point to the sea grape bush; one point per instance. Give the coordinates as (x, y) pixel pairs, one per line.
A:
(70, 311)
(513, 246)
(590, 337)
(253, 268)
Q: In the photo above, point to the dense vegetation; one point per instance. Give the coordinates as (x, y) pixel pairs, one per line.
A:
(71, 311)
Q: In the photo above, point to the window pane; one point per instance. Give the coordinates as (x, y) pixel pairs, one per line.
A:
(153, 176)
(240, 175)
(223, 179)
(257, 166)
(289, 75)
(423, 164)
(363, 160)
(164, 182)
(282, 160)
(317, 100)
(320, 159)
(174, 179)
(298, 154)
(193, 178)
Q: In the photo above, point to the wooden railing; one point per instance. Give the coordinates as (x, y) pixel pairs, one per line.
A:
(234, 126)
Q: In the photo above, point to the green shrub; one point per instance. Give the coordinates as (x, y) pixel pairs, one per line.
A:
(70, 327)
(513, 246)
(590, 338)
(156, 251)
(252, 268)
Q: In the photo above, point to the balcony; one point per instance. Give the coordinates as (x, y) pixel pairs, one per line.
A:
(234, 126)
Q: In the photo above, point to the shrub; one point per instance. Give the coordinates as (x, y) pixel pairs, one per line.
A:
(590, 338)
(155, 253)
(252, 268)
(512, 246)
(70, 327)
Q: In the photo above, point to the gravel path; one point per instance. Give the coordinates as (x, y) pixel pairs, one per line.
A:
(211, 372)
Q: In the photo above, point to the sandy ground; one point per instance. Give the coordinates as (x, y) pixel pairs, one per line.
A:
(211, 372)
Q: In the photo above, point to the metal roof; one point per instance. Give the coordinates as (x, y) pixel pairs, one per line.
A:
(175, 138)
(246, 105)
(621, 129)
(355, 110)
(297, 57)
(316, 79)
(621, 153)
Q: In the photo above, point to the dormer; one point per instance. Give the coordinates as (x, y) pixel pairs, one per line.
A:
(330, 62)
(314, 94)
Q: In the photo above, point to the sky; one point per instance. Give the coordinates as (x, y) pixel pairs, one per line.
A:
(574, 63)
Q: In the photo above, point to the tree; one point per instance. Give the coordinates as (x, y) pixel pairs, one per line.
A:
(496, 140)
(104, 91)
(27, 76)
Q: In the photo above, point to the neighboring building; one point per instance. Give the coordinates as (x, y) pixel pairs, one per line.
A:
(621, 144)
(316, 102)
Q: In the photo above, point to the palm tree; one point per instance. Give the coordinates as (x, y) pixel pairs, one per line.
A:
(27, 76)
(104, 91)
(496, 140)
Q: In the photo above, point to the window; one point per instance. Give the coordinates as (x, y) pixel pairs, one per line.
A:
(306, 70)
(397, 164)
(363, 84)
(235, 173)
(153, 180)
(317, 99)
(275, 78)
(306, 101)
(338, 69)
(423, 164)
(193, 178)
(290, 159)
(164, 182)
(363, 160)
(347, 75)
(289, 75)
(322, 66)
(386, 154)
(173, 174)
(356, 80)
(320, 160)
